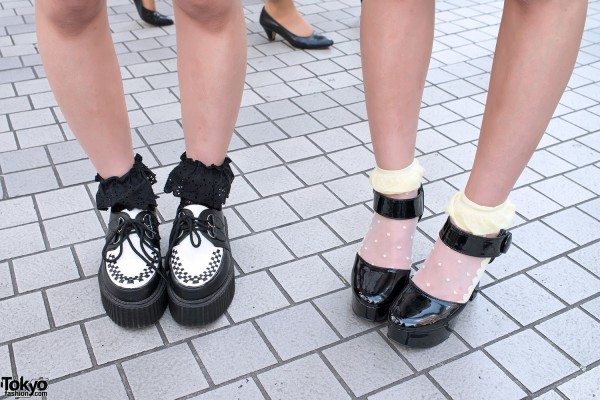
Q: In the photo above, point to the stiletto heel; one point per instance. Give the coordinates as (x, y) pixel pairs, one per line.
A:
(270, 34)
(417, 319)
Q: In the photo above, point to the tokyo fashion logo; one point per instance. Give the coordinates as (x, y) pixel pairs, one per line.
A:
(21, 388)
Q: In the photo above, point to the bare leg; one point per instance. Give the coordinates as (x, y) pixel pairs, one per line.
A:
(536, 51)
(396, 42)
(149, 4)
(284, 12)
(75, 42)
(211, 45)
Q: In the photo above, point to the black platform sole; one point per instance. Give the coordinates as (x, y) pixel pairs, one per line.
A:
(134, 314)
(202, 311)
(370, 313)
(422, 337)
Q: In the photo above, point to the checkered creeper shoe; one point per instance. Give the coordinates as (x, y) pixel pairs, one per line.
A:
(201, 283)
(132, 286)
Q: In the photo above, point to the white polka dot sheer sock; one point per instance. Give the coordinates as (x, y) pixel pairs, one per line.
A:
(388, 242)
(449, 275)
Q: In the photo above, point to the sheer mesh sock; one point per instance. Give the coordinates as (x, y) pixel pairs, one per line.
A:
(448, 275)
(388, 242)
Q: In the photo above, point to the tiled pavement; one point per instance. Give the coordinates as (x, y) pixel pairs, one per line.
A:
(301, 151)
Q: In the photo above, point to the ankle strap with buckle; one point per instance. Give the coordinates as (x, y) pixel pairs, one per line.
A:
(475, 246)
(399, 208)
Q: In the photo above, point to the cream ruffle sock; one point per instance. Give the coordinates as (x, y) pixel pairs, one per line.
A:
(388, 242)
(451, 276)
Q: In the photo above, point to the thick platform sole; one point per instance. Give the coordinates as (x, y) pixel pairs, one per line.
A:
(422, 337)
(370, 313)
(134, 314)
(205, 310)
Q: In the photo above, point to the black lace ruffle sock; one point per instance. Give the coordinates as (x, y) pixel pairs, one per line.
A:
(132, 190)
(193, 181)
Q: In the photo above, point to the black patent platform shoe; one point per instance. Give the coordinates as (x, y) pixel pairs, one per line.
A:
(151, 16)
(201, 273)
(132, 285)
(417, 319)
(271, 27)
(375, 288)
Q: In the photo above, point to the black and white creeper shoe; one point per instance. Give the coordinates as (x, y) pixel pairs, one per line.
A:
(199, 264)
(132, 283)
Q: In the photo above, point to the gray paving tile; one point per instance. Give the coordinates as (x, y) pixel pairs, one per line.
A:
(419, 388)
(540, 241)
(567, 331)
(77, 172)
(60, 230)
(273, 180)
(425, 358)
(250, 251)
(582, 387)
(516, 352)
(16, 212)
(278, 213)
(350, 223)
(306, 378)
(300, 125)
(437, 166)
(298, 278)
(308, 237)
(246, 350)
(244, 389)
(353, 160)
(255, 294)
(101, 384)
(352, 189)
(111, 342)
(90, 255)
(532, 204)
(335, 117)
(294, 149)
(316, 170)
(296, 330)
(53, 354)
(75, 301)
(179, 374)
(30, 181)
(27, 315)
(337, 310)
(254, 158)
(176, 332)
(563, 191)
(6, 287)
(312, 201)
(261, 133)
(44, 269)
(474, 377)
(523, 299)
(19, 160)
(379, 365)
(5, 368)
(586, 230)
(21, 240)
(561, 276)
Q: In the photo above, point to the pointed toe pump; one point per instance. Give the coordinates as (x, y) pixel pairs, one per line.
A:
(417, 319)
(375, 288)
(272, 27)
(151, 16)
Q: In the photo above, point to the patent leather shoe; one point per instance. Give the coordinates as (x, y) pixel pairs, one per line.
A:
(417, 319)
(272, 27)
(375, 288)
(151, 16)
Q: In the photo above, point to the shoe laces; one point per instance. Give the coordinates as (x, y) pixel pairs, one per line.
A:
(186, 223)
(125, 229)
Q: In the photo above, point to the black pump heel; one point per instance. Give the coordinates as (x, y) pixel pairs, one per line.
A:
(374, 288)
(314, 41)
(270, 34)
(150, 16)
(417, 319)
